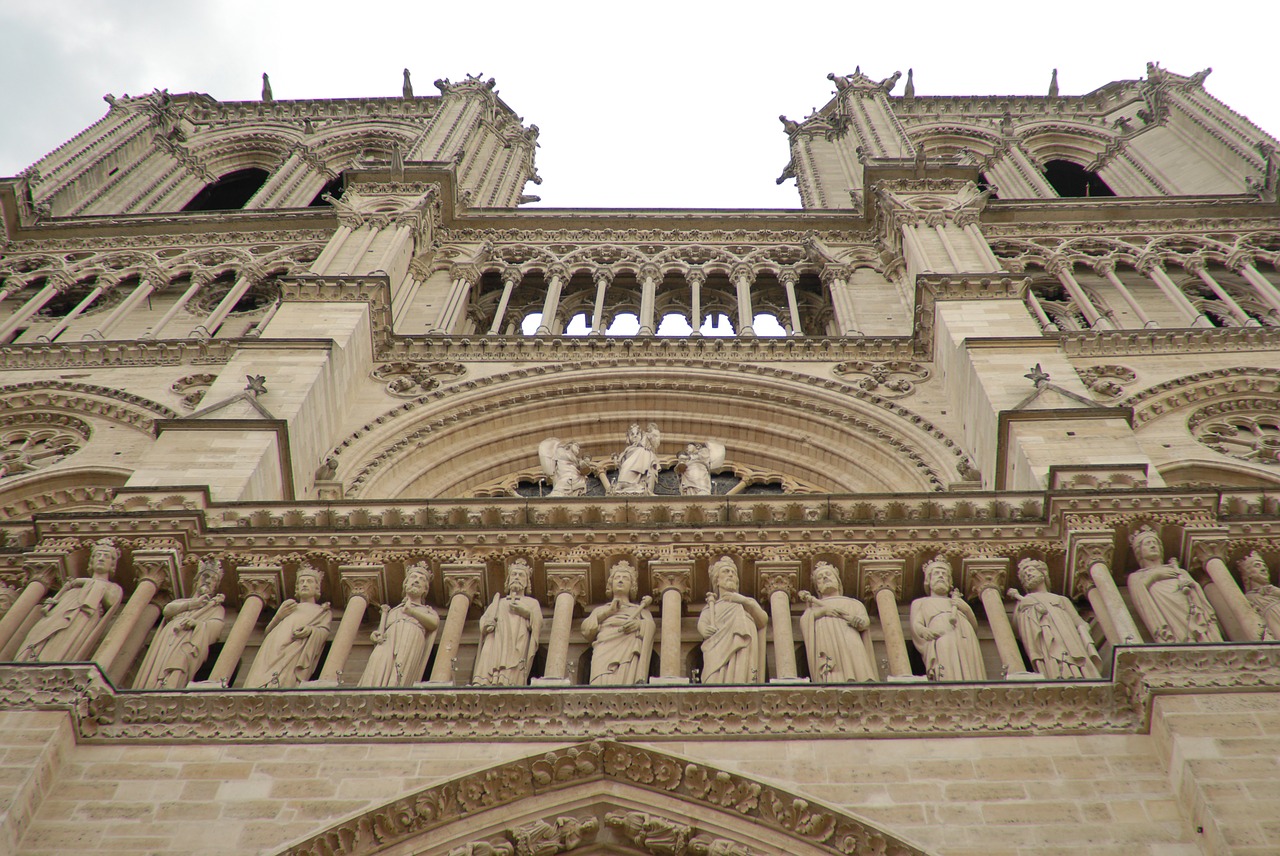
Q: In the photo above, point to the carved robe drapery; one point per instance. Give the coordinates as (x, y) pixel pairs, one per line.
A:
(506, 653)
(74, 621)
(837, 653)
(290, 650)
(619, 656)
(953, 654)
(1053, 635)
(1173, 605)
(1266, 600)
(400, 659)
(181, 644)
(733, 648)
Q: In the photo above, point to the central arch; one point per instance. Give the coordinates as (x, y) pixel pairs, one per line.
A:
(603, 797)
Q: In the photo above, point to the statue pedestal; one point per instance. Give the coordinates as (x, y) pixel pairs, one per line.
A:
(435, 685)
(1025, 676)
(668, 681)
(907, 679)
(550, 682)
(785, 681)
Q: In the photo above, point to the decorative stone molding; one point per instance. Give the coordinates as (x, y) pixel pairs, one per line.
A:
(366, 581)
(264, 583)
(890, 379)
(562, 579)
(981, 573)
(665, 576)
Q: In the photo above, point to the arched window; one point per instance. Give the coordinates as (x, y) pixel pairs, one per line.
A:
(1071, 180)
(230, 192)
(333, 188)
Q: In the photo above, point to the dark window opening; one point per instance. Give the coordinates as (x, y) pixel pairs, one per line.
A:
(230, 192)
(985, 184)
(62, 304)
(1072, 181)
(333, 188)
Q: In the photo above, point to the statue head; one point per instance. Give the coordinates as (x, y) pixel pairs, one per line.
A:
(622, 580)
(1253, 571)
(633, 433)
(103, 556)
(1147, 546)
(209, 576)
(519, 577)
(826, 579)
(937, 575)
(307, 584)
(417, 580)
(1032, 573)
(724, 575)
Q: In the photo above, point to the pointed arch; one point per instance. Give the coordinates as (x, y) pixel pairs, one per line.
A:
(590, 795)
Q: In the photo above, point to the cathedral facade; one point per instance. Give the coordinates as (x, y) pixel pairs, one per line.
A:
(350, 507)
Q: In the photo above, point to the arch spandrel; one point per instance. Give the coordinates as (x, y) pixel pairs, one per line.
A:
(823, 433)
(603, 797)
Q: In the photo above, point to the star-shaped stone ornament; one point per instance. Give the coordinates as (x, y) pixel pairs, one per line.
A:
(257, 385)
(1037, 375)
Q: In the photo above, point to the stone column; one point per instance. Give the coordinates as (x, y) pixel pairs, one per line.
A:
(31, 307)
(1084, 587)
(1208, 551)
(789, 278)
(780, 581)
(836, 279)
(696, 279)
(363, 585)
(150, 281)
(246, 281)
(566, 587)
(882, 580)
(1061, 268)
(1243, 265)
(1200, 269)
(556, 276)
(1107, 268)
(672, 581)
(463, 584)
(152, 571)
(43, 572)
(1089, 554)
(259, 585)
(602, 278)
(464, 279)
(136, 639)
(649, 277)
(1153, 268)
(198, 281)
(743, 277)
(510, 279)
(75, 313)
(985, 579)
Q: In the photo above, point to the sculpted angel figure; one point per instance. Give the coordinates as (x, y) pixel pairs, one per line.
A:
(1261, 594)
(694, 466)
(638, 463)
(405, 635)
(1169, 601)
(294, 638)
(732, 625)
(75, 618)
(565, 465)
(620, 632)
(190, 626)
(1056, 638)
(944, 628)
(509, 632)
(836, 631)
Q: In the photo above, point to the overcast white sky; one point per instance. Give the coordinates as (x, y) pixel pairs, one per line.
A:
(652, 104)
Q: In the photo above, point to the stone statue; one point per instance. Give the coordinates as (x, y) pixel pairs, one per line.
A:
(620, 633)
(695, 464)
(406, 88)
(638, 463)
(191, 625)
(509, 632)
(294, 638)
(8, 594)
(1056, 638)
(1170, 603)
(1261, 594)
(836, 631)
(732, 641)
(656, 835)
(405, 635)
(543, 838)
(718, 847)
(944, 628)
(565, 465)
(483, 848)
(75, 618)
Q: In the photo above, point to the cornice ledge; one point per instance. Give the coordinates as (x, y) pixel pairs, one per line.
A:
(1092, 343)
(130, 352)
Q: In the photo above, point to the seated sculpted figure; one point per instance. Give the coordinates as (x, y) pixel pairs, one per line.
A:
(75, 618)
(695, 464)
(566, 466)
(944, 628)
(295, 637)
(1261, 594)
(620, 633)
(191, 625)
(638, 463)
(405, 635)
(509, 632)
(732, 641)
(1169, 601)
(1056, 638)
(836, 631)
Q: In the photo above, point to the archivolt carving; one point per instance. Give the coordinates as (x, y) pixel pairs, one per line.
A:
(622, 776)
(64, 490)
(1192, 389)
(395, 443)
(89, 399)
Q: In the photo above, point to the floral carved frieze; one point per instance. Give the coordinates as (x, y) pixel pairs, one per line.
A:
(1247, 429)
(889, 379)
(408, 380)
(1108, 381)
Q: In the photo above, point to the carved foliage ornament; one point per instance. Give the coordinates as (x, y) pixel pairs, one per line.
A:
(409, 380)
(31, 441)
(888, 379)
(1247, 429)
